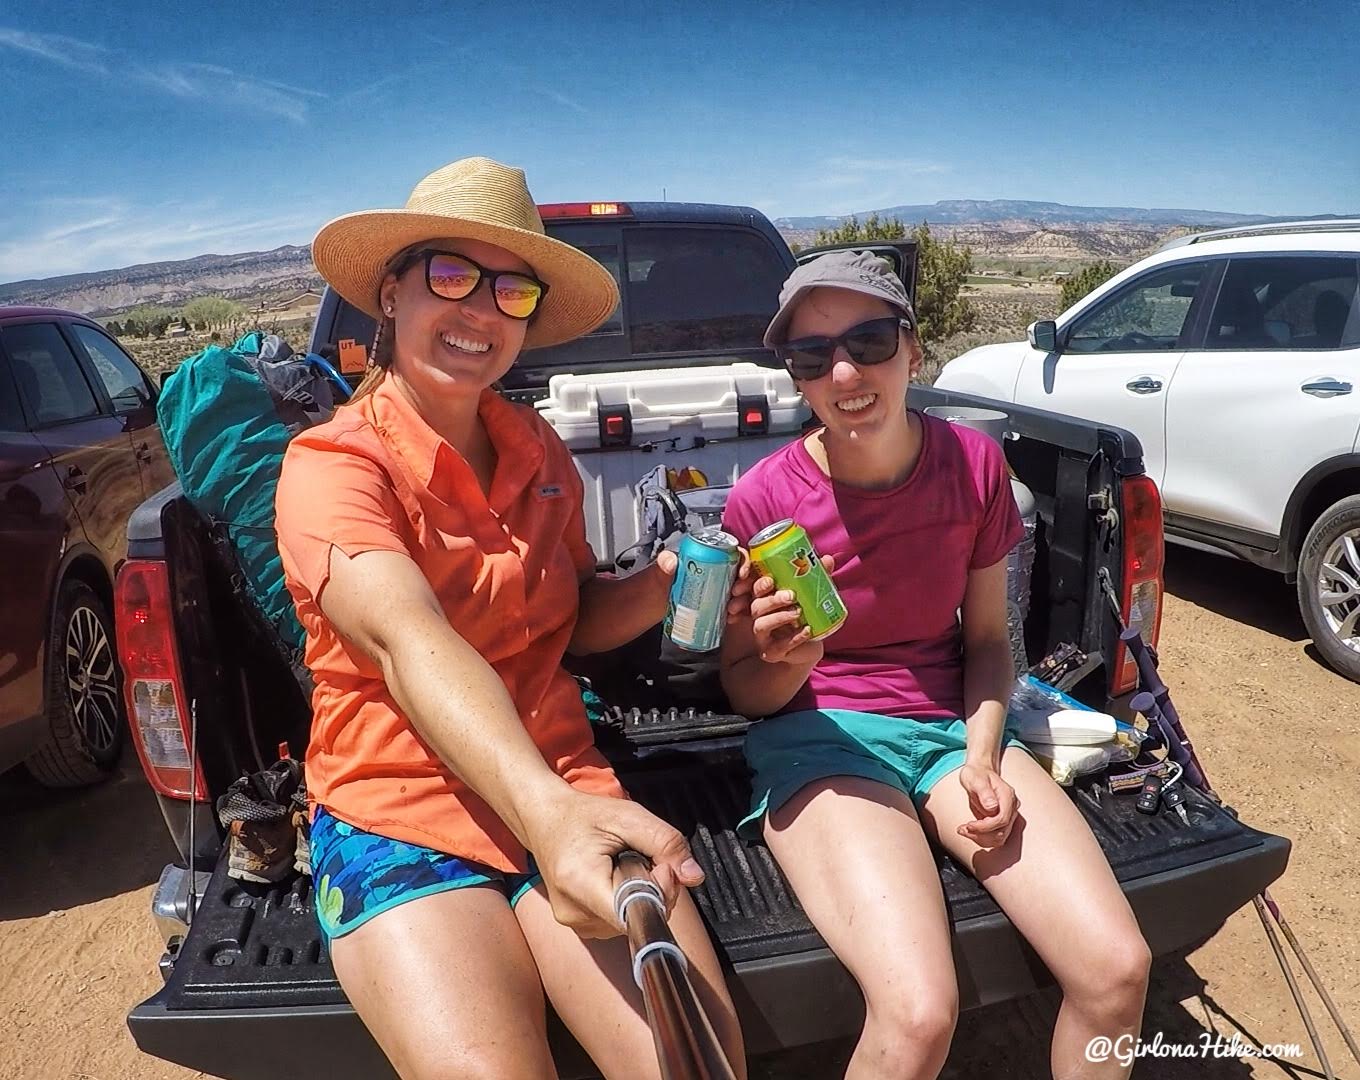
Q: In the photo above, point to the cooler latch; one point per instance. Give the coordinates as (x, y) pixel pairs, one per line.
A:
(614, 413)
(753, 414)
(616, 425)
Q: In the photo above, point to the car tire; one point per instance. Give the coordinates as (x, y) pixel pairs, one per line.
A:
(85, 716)
(1329, 586)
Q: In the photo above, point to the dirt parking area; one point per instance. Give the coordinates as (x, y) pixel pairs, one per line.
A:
(1276, 729)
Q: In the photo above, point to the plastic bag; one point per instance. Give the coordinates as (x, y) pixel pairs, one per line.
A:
(1070, 739)
(1066, 763)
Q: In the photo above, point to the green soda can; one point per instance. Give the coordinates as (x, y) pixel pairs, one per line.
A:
(784, 552)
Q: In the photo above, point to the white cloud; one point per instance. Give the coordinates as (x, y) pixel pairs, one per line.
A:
(183, 79)
(562, 99)
(64, 232)
(125, 235)
(205, 82)
(59, 49)
(374, 89)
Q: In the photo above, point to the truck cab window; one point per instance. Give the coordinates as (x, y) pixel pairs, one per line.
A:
(699, 290)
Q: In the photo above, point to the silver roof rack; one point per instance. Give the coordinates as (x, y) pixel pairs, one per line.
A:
(1268, 228)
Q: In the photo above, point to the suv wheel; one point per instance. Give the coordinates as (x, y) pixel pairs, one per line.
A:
(1329, 585)
(84, 693)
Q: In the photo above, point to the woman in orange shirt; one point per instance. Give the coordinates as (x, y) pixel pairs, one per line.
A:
(434, 543)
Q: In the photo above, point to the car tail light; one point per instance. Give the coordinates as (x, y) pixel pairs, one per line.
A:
(1144, 559)
(157, 707)
(585, 210)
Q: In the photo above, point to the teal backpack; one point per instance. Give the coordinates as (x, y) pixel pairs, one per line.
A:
(227, 416)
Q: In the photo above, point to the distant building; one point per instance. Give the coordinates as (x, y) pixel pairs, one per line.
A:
(307, 296)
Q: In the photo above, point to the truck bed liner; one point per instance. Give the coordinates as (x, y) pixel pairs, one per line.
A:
(253, 996)
(260, 945)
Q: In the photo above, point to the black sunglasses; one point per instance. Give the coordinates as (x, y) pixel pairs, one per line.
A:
(451, 276)
(870, 342)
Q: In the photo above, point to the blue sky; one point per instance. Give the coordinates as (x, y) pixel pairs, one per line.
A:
(139, 131)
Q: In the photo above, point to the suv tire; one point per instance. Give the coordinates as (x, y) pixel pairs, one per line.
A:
(1329, 585)
(85, 715)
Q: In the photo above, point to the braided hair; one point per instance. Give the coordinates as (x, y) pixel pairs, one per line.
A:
(380, 357)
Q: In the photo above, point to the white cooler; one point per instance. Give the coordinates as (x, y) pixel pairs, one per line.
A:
(621, 425)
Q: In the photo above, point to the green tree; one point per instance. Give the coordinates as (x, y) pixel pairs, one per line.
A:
(141, 321)
(1077, 285)
(213, 310)
(854, 231)
(941, 270)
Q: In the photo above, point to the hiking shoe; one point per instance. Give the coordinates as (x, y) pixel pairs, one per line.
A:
(302, 822)
(257, 812)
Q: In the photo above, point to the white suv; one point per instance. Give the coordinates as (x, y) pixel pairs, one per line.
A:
(1233, 356)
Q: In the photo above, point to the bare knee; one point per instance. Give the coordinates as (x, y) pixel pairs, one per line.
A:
(908, 1031)
(1113, 981)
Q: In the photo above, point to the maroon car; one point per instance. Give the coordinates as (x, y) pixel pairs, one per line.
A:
(79, 449)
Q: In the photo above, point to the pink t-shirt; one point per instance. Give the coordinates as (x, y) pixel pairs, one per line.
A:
(902, 562)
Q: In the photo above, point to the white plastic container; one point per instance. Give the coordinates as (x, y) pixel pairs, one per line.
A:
(690, 417)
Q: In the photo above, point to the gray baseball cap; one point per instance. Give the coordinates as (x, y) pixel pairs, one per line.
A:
(858, 271)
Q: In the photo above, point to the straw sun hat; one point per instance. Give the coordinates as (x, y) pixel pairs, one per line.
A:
(477, 199)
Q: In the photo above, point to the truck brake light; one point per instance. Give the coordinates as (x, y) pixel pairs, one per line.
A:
(1144, 560)
(157, 709)
(585, 210)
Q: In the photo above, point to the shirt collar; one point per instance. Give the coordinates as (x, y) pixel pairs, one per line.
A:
(518, 447)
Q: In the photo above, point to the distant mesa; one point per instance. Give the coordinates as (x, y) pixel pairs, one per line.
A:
(283, 277)
(990, 211)
(251, 277)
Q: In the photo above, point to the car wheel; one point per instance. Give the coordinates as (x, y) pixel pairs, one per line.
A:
(86, 722)
(1329, 586)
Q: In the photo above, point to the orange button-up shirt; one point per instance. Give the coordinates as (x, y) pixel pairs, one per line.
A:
(506, 570)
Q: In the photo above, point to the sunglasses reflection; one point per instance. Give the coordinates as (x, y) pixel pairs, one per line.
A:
(451, 276)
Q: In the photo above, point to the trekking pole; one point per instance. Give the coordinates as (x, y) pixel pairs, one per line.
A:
(1294, 989)
(1181, 750)
(1168, 720)
(686, 1046)
(1327, 1001)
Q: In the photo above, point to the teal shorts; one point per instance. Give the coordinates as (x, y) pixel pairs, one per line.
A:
(786, 753)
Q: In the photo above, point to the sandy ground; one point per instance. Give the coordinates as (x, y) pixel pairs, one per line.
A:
(1277, 732)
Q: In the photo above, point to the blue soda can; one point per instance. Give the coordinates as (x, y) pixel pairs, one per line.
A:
(697, 611)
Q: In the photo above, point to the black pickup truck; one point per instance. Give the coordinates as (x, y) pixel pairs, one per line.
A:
(249, 989)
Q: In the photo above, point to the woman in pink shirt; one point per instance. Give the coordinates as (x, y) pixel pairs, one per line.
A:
(893, 733)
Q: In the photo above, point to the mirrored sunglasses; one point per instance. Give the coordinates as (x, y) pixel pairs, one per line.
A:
(451, 276)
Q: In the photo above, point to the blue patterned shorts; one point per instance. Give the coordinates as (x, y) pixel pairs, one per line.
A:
(359, 874)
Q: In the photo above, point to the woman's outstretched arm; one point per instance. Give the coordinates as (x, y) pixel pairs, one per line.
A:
(461, 708)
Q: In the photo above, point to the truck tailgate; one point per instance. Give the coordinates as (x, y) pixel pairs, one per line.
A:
(252, 993)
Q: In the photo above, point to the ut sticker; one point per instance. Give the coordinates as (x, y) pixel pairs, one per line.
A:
(353, 357)
(550, 491)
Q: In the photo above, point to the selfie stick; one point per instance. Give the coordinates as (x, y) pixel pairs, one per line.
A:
(686, 1046)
